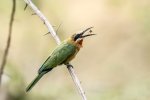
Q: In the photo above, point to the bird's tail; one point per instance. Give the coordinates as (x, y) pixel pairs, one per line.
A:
(30, 86)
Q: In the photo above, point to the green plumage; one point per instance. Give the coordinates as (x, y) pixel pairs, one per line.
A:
(60, 55)
(39, 76)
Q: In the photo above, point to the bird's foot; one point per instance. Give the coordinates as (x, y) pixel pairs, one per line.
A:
(68, 65)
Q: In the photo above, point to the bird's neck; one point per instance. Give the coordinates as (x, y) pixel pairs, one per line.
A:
(77, 44)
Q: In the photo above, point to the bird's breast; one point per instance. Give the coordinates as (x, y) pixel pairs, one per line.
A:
(72, 56)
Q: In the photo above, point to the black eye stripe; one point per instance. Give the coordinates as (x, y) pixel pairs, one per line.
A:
(76, 37)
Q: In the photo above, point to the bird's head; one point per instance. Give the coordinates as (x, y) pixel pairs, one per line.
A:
(77, 38)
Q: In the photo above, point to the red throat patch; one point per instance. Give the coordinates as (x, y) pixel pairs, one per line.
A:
(80, 42)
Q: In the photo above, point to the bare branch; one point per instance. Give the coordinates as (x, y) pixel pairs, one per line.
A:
(76, 81)
(44, 19)
(4, 59)
(53, 33)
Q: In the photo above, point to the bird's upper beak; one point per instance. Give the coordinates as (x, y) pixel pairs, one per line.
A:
(81, 35)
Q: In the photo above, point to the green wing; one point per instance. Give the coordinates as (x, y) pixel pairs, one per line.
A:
(58, 56)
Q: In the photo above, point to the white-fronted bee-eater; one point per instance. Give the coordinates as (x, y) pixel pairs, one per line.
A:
(62, 54)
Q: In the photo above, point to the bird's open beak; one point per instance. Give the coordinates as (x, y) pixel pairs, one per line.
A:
(81, 35)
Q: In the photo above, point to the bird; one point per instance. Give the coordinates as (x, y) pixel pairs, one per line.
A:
(62, 54)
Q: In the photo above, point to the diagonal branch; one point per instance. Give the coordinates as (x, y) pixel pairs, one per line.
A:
(53, 33)
(4, 59)
(44, 19)
(76, 81)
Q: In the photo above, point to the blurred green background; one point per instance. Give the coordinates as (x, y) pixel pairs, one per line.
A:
(113, 65)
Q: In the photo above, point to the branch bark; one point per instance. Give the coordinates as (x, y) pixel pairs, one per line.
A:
(53, 33)
(4, 59)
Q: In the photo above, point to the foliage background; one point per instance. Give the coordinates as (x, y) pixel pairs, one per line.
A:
(113, 65)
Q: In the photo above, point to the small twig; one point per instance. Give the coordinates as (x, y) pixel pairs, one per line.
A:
(53, 33)
(34, 14)
(25, 6)
(4, 59)
(47, 33)
(58, 28)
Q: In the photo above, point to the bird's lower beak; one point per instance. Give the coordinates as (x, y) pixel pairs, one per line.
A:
(87, 35)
